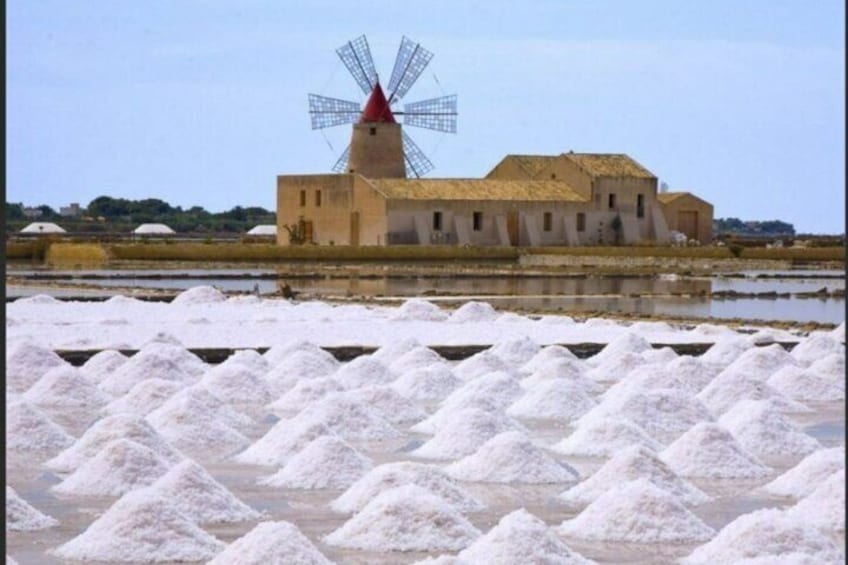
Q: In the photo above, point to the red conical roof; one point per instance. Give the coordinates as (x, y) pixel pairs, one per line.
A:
(377, 109)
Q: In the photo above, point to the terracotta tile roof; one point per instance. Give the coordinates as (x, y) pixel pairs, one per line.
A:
(609, 165)
(476, 189)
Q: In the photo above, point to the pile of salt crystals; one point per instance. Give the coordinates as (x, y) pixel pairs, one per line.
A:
(22, 517)
(285, 439)
(761, 362)
(363, 371)
(395, 349)
(708, 450)
(825, 506)
(102, 364)
(349, 417)
(65, 387)
(684, 374)
(729, 387)
(390, 405)
(326, 462)
(106, 430)
(120, 466)
(768, 533)
(416, 359)
(726, 350)
(304, 392)
(417, 309)
(802, 479)
(815, 347)
(144, 397)
(546, 355)
(427, 384)
(237, 383)
(615, 367)
(203, 294)
(553, 399)
(474, 311)
(299, 364)
(141, 526)
(637, 512)
(603, 437)
(519, 537)
(278, 353)
(823, 381)
(29, 431)
(761, 429)
(390, 475)
(499, 389)
(570, 370)
(627, 342)
(632, 463)
(463, 432)
(270, 543)
(249, 358)
(516, 352)
(480, 364)
(159, 360)
(510, 457)
(26, 362)
(405, 518)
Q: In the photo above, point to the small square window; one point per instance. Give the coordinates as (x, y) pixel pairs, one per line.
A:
(317, 198)
(437, 221)
(640, 205)
(612, 201)
(477, 221)
(302, 198)
(372, 131)
(547, 221)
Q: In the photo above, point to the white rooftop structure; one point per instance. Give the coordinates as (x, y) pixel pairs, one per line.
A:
(152, 229)
(43, 227)
(263, 229)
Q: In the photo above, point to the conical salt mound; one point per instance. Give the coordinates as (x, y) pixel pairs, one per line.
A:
(417, 309)
(348, 417)
(427, 384)
(692, 371)
(363, 371)
(480, 364)
(448, 413)
(556, 399)
(516, 352)
(390, 405)
(816, 346)
(630, 464)
(500, 387)
(299, 365)
(394, 350)
(520, 537)
(30, 431)
(22, 517)
(193, 491)
(271, 543)
(603, 437)
(474, 311)
(303, 393)
(142, 366)
(249, 358)
(615, 367)
(406, 518)
(802, 479)
(173, 350)
(26, 362)
(825, 506)
(237, 384)
(511, 458)
(808, 384)
(327, 462)
(709, 451)
(546, 355)
(651, 376)
(121, 466)
(65, 387)
(141, 526)
(144, 397)
(730, 387)
(725, 351)
(463, 434)
(763, 430)
(569, 370)
(761, 362)
(662, 355)
(768, 533)
(390, 475)
(105, 430)
(637, 512)
(103, 364)
(202, 294)
(276, 354)
(628, 342)
(415, 359)
(285, 439)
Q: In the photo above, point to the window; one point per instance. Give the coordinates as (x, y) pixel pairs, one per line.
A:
(302, 198)
(477, 221)
(317, 198)
(437, 221)
(581, 221)
(553, 175)
(372, 131)
(547, 221)
(611, 201)
(640, 205)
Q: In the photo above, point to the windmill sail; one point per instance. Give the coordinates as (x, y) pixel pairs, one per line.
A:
(356, 55)
(325, 112)
(436, 113)
(411, 61)
(341, 163)
(417, 163)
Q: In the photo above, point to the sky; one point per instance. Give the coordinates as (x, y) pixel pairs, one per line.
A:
(204, 102)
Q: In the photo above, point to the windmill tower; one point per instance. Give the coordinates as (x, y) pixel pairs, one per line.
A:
(379, 148)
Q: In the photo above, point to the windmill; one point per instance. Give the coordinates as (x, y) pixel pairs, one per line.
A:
(378, 147)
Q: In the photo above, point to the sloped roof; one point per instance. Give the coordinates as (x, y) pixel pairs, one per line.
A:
(43, 227)
(609, 165)
(533, 164)
(152, 229)
(666, 197)
(476, 189)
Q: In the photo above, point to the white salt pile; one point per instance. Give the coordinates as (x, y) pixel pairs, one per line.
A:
(516, 352)
(285, 439)
(26, 362)
(520, 537)
(30, 431)
(390, 405)
(390, 475)
(554, 399)
(327, 462)
(299, 365)
(662, 355)
(192, 491)
(709, 451)
(406, 518)
(474, 311)
(726, 350)
(237, 384)
(349, 418)
(603, 437)
(42, 299)
(802, 479)
(146, 365)
(106, 430)
(693, 371)
(632, 463)
(188, 361)
(500, 388)
(417, 358)
(65, 387)
(546, 355)
(510, 457)
(761, 429)
(761, 362)
(838, 333)
(417, 309)
(447, 414)
(22, 517)
(394, 349)
(303, 393)
(769, 534)
(627, 342)
(102, 364)
(141, 526)
(144, 397)
(278, 353)
(509, 318)
(565, 369)
(363, 371)
(644, 377)
(832, 366)
(480, 364)
(637, 512)
(615, 367)
(199, 295)
(641, 328)
(463, 433)
(816, 346)
(120, 466)
(250, 358)
(271, 543)
(808, 384)
(825, 506)
(729, 387)
(427, 384)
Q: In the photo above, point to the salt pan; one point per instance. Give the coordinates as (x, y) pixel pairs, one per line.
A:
(763, 430)
(271, 543)
(22, 517)
(327, 462)
(26, 362)
(199, 295)
(825, 506)
(474, 311)
(802, 479)
(65, 387)
(417, 309)
(555, 399)
(30, 431)
(427, 384)
(708, 450)
(603, 437)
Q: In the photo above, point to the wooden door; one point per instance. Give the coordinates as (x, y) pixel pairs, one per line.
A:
(354, 228)
(512, 227)
(308, 232)
(687, 222)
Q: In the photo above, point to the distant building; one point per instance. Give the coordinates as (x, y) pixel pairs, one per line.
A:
(31, 212)
(72, 210)
(43, 227)
(688, 214)
(153, 229)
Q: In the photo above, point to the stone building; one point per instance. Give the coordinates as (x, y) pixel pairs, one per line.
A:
(688, 214)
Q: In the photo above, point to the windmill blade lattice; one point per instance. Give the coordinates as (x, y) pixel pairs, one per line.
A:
(436, 113)
(411, 61)
(417, 162)
(326, 112)
(356, 55)
(341, 163)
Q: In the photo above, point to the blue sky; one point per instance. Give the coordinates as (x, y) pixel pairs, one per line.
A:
(203, 102)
